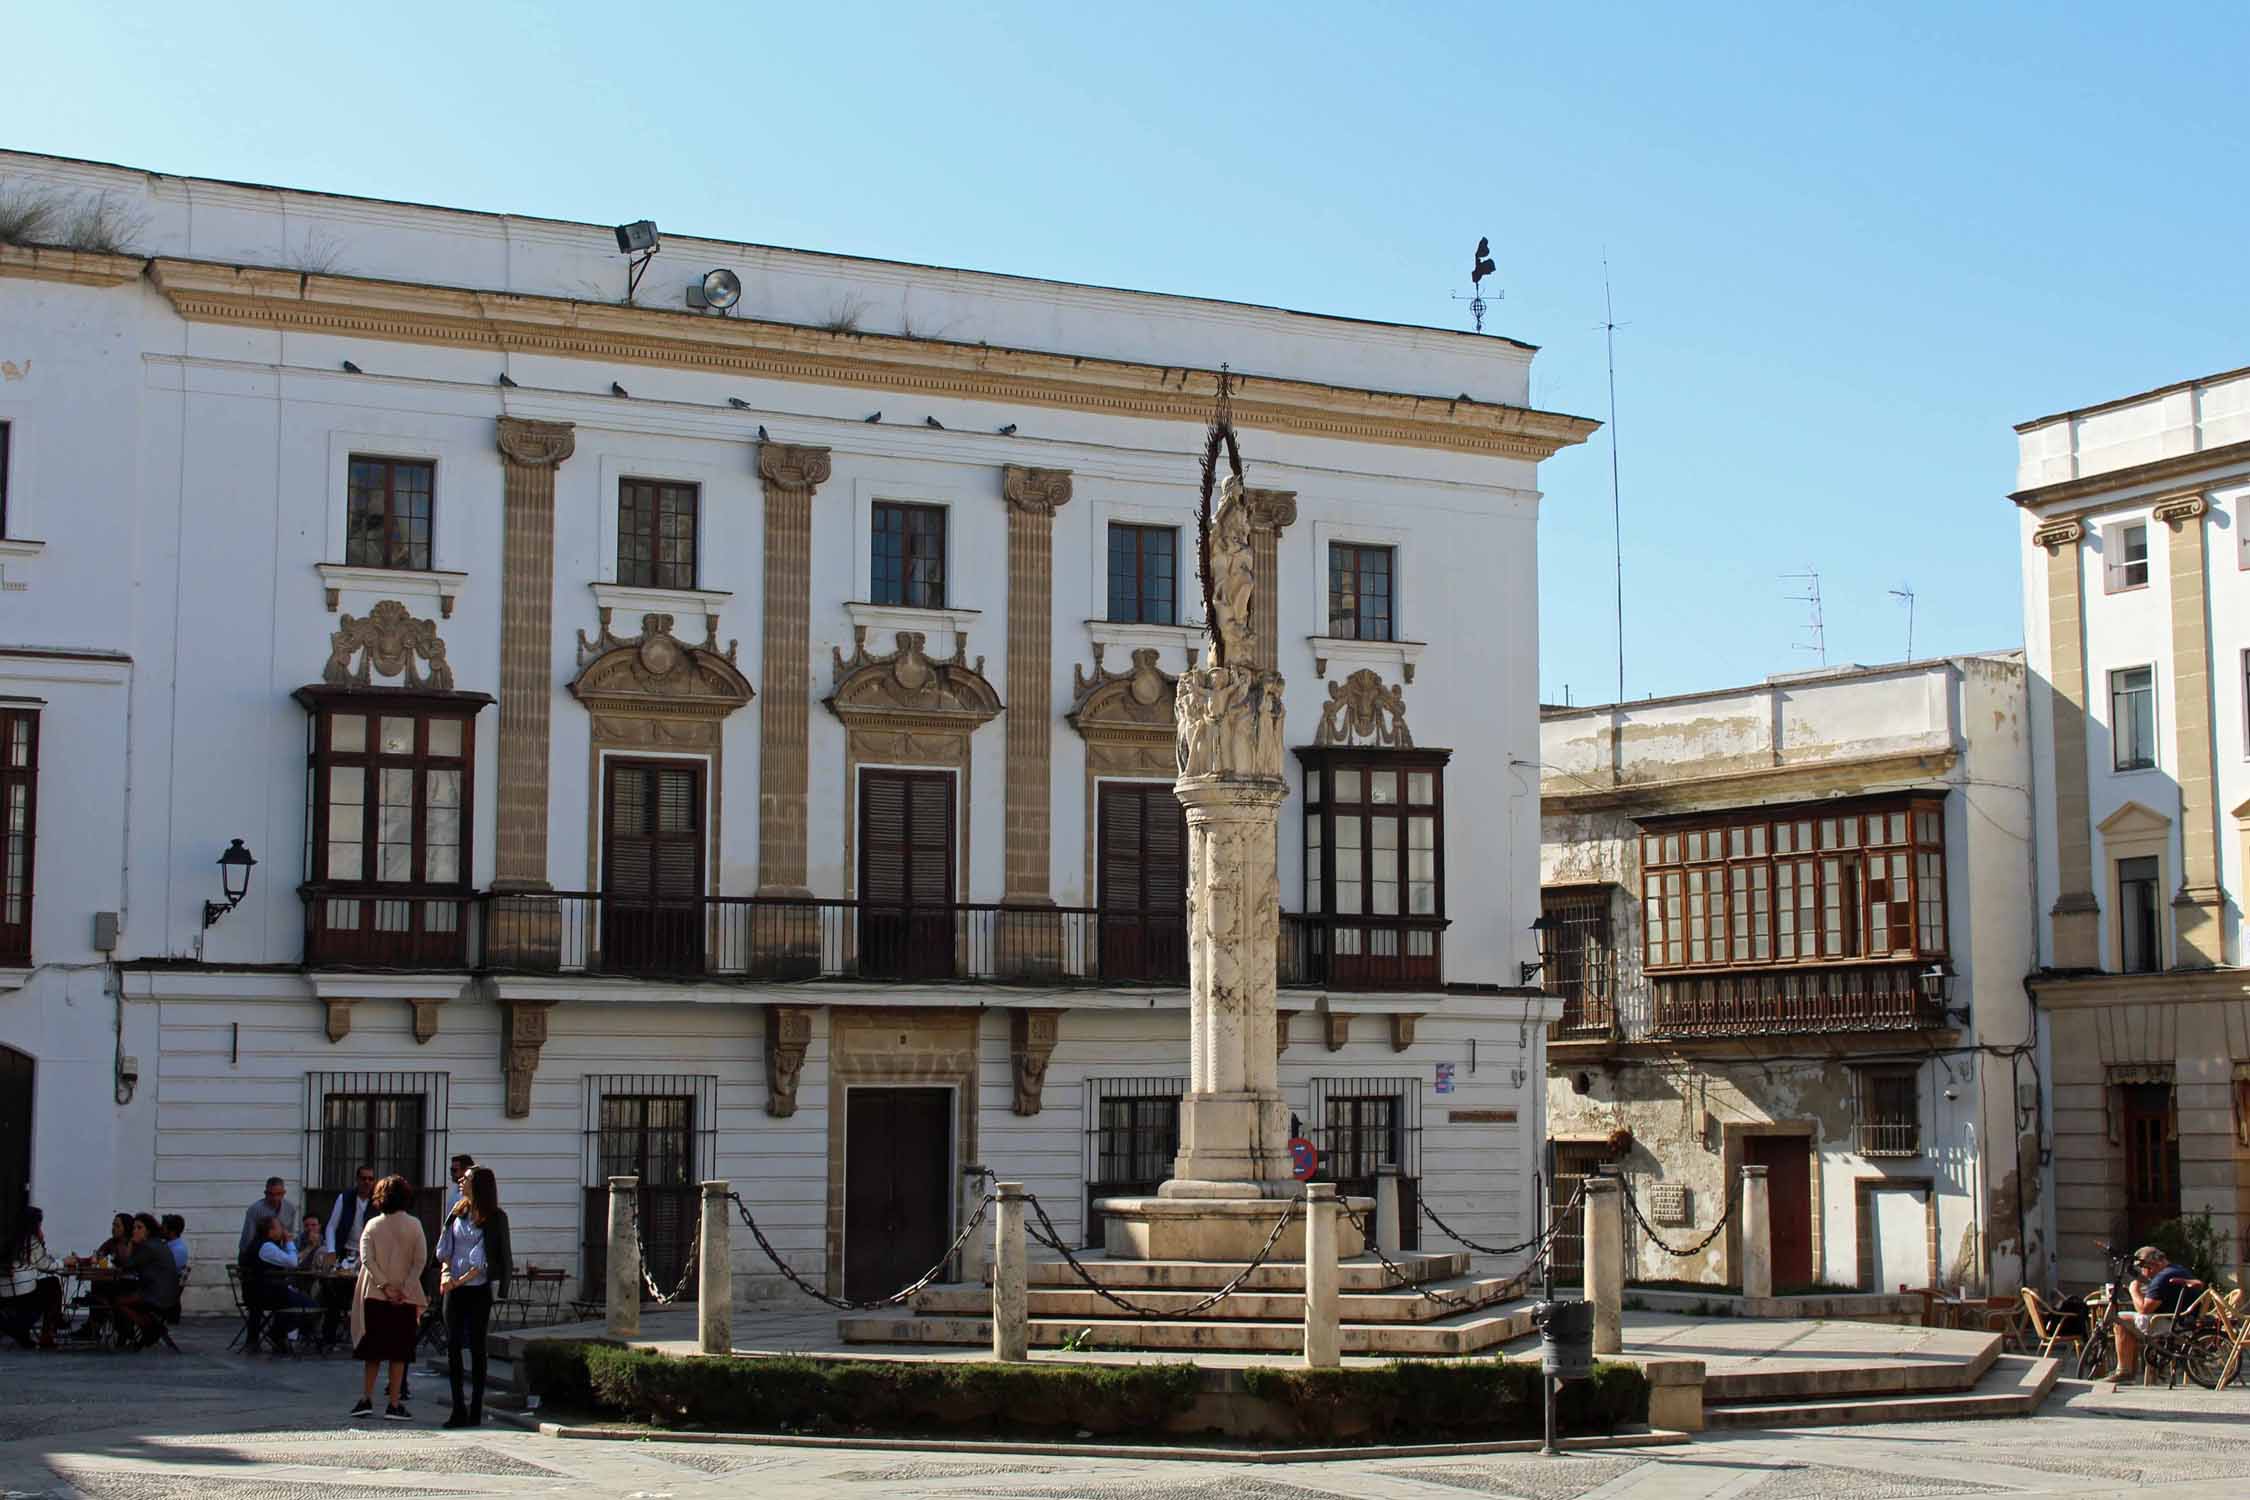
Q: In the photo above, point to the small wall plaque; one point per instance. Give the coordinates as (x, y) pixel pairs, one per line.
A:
(1668, 1203)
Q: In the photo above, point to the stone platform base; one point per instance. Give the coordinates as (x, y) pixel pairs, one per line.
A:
(1217, 1229)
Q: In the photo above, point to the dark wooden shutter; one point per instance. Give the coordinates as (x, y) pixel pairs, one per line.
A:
(929, 832)
(906, 874)
(652, 859)
(1143, 894)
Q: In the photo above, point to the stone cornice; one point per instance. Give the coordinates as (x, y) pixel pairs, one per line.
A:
(78, 267)
(243, 296)
(792, 467)
(1035, 492)
(1744, 788)
(2164, 987)
(2102, 488)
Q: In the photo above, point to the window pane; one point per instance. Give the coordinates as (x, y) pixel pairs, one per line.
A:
(398, 736)
(1382, 787)
(1347, 786)
(445, 736)
(394, 858)
(1421, 788)
(347, 732)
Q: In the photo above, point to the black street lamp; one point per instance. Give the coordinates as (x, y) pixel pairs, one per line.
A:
(234, 876)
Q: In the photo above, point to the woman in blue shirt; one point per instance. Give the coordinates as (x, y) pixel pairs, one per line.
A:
(475, 1257)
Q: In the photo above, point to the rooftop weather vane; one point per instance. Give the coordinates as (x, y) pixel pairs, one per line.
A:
(1481, 265)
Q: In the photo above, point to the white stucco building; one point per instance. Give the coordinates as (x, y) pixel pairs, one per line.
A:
(720, 742)
(2137, 623)
(1789, 926)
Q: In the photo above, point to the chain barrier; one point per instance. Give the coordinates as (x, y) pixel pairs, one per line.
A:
(1508, 1290)
(687, 1276)
(1536, 1243)
(846, 1304)
(1048, 1235)
(1633, 1206)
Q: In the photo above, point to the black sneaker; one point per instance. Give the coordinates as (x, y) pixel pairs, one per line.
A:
(363, 1408)
(459, 1418)
(397, 1412)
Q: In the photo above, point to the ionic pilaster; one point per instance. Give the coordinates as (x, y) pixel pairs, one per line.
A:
(1271, 513)
(789, 474)
(1033, 497)
(530, 453)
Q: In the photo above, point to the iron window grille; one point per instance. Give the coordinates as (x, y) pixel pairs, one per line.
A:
(1578, 964)
(19, 828)
(1361, 1124)
(1890, 1111)
(387, 513)
(1132, 1139)
(393, 1122)
(663, 1129)
(907, 566)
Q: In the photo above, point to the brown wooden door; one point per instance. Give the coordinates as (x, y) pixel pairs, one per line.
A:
(906, 874)
(652, 867)
(1788, 1163)
(898, 1174)
(2152, 1159)
(1574, 1163)
(1143, 894)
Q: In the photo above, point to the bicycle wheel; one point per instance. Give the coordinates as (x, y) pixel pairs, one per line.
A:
(2098, 1357)
(2207, 1354)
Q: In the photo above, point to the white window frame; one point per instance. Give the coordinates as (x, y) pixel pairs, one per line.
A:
(2116, 566)
(2116, 729)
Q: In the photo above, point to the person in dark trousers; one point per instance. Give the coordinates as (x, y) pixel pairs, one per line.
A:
(475, 1254)
(154, 1299)
(31, 1289)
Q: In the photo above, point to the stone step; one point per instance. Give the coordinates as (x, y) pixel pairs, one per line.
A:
(2013, 1387)
(1795, 1379)
(1077, 1301)
(1362, 1274)
(1462, 1333)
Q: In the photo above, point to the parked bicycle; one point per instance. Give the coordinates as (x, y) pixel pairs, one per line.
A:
(2169, 1344)
(2218, 1348)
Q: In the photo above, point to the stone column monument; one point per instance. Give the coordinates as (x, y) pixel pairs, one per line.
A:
(1232, 1177)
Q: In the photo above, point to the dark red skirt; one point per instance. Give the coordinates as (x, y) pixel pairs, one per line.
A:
(391, 1327)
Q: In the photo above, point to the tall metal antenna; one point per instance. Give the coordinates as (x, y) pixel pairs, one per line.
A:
(1906, 591)
(1616, 522)
(1814, 627)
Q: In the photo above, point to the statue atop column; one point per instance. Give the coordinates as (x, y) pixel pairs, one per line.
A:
(1229, 713)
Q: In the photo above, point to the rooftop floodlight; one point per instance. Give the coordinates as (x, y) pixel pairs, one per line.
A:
(717, 291)
(637, 239)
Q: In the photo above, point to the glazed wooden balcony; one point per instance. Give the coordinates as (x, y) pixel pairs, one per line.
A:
(1840, 998)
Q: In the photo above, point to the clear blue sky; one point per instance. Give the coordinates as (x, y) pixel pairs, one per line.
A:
(1851, 245)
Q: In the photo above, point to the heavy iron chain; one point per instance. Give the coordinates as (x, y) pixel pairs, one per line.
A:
(1466, 1243)
(1509, 1290)
(1047, 1234)
(1632, 1204)
(694, 1255)
(846, 1304)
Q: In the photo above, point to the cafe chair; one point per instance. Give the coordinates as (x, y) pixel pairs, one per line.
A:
(2051, 1328)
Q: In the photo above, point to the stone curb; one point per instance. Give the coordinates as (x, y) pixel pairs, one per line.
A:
(1631, 1438)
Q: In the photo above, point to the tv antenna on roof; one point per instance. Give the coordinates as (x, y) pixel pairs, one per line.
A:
(1906, 591)
(1810, 598)
(1480, 266)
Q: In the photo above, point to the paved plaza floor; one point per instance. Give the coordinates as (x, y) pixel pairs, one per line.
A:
(208, 1425)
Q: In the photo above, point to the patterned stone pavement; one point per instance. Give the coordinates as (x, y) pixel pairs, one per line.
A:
(207, 1425)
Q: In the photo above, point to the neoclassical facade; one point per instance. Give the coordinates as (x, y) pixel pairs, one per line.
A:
(2137, 621)
(724, 744)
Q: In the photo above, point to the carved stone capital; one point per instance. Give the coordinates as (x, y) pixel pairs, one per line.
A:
(536, 445)
(1230, 722)
(523, 1031)
(387, 641)
(793, 467)
(1336, 1029)
(1362, 711)
(425, 1018)
(1031, 1041)
(1035, 492)
(788, 1034)
(1271, 510)
(2058, 534)
(2176, 511)
(339, 1017)
(1402, 1029)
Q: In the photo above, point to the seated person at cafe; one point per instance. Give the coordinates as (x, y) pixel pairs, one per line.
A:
(277, 1258)
(311, 1248)
(110, 1253)
(2162, 1288)
(31, 1290)
(175, 1237)
(152, 1298)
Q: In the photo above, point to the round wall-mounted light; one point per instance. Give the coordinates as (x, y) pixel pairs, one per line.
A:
(722, 289)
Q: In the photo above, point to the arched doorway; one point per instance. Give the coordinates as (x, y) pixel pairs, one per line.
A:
(15, 1144)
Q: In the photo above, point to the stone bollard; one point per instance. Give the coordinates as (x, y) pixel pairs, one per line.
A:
(1323, 1340)
(1605, 1260)
(714, 1273)
(1011, 1301)
(624, 1261)
(1390, 1230)
(1757, 1236)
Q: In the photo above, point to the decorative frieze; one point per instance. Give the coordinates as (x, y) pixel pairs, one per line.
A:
(788, 1034)
(789, 474)
(1362, 711)
(530, 452)
(1031, 1042)
(387, 642)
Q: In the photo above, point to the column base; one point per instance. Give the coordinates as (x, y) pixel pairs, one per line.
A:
(1177, 1225)
(1238, 1136)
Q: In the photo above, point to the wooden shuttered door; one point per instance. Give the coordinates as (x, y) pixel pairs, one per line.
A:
(1143, 892)
(906, 874)
(652, 867)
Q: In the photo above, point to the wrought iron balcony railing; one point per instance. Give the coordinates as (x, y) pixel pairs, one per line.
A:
(1868, 997)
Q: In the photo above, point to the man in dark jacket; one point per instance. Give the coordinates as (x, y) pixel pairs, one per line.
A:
(154, 1299)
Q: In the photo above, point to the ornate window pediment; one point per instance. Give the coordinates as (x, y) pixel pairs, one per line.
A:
(2133, 821)
(657, 675)
(906, 689)
(1126, 707)
(1362, 711)
(387, 642)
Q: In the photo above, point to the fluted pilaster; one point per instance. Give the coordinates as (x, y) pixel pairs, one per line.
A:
(530, 453)
(789, 474)
(1271, 513)
(1033, 496)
